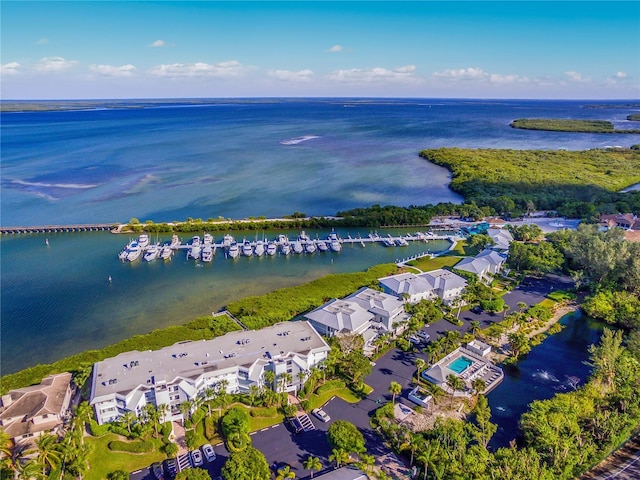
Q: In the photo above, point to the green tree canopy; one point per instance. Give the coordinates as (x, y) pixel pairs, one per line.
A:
(193, 474)
(345, 436)
(248, 464)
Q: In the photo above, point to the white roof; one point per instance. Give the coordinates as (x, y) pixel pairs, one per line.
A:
(408, 283)
(341, 315)
(377, 302)
(490, 256)
(444, 280)
(501, 236)
(474, 265)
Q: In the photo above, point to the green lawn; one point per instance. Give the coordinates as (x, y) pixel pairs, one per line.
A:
(426, 264)
(344, 393)
(103, 460)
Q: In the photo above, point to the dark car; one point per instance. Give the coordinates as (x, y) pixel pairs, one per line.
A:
(476, 309)
(170, 467)
(158, 473)
(294, 424)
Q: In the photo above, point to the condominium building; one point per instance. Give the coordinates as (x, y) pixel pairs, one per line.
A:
(185, 370)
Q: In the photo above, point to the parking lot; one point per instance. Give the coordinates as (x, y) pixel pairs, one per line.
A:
(281, 445)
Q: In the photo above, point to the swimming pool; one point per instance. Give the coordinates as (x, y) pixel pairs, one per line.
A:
(460, 364)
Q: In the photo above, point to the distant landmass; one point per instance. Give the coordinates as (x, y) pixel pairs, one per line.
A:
(566, 125)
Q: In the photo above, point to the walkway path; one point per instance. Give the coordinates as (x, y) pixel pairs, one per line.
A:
(180, 438)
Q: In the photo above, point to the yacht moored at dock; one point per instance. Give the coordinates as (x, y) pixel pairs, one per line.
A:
(234, 249)
(334, 242)
(297, 246)
(166, 252)
(194, 250)
(175, 242)
(259, 248)
(143, 241)
(207, 239)
(207, 253)
(151, 253)
(247, 249)
(133, 252)
(310, 246)
(272, 248)
(322, 245)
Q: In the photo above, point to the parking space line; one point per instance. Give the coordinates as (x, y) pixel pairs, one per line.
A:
(264, 429)
(276, 425)
(137, 471)
(218, 444)
(253, 433)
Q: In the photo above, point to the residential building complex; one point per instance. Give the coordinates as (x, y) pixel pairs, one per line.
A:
(185, 370)
(486, 263)
(414, 287)
(27, 413)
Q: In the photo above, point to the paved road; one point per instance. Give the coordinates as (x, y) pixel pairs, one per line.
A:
(623, 464)
(280, 445)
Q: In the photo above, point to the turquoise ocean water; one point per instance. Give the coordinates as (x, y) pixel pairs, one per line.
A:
(224, 158)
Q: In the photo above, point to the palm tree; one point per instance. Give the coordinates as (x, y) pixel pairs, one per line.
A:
(367, 461)
(455, 383)
(394, 389)
(48, 453)
(162, 410)
(311, 464)
(209, 394)
(415, 441)
(504, 311)
(151, 412)
(522, 306)
(420, 365)
(285, 473)
(185, 408)
(474, 327)
(128, 418)
(339, 456)
(425, 458)
(478, 385)
(269, 378)
(284, 380)
(254, 391)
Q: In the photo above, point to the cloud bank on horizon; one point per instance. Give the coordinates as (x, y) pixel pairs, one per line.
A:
(389, 49)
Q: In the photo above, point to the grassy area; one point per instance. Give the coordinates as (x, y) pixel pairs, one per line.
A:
(103, 460)
(566, 125)
(634, 117)
(344, 393)
(426, 264)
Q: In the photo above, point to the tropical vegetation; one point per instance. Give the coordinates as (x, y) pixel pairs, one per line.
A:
(568, 125)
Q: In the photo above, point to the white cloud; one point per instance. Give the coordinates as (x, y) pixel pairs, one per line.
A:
(575, 77)
(404, 74)
(113, 71)
(505, 79)
(461, 74)
(42, 41)
(54, 64)
(289, 76)
(620, 75)
(157, 44)
(232, 68)
(334, 49)
(11, 68)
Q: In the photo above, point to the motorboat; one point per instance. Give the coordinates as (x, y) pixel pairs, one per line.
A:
(234, 250)
(152, 253)
(259, 248)
(227, 240)
(402, 242)
(334, 242)
(125, 251)
(310, 246)
(175, 242)
(285, 246)
(322, 245)
(196, 246)
(143, 241)
(207, 253)
(297, 247)
(389, 242)
(247, 249)
(272, 248)
(133, 251)
(303, 237)
(165, 252)
(207, 239)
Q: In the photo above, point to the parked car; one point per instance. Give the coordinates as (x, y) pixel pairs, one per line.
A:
(196, 458)
(170, 467)
(477, 309)
(156, 468)
(415, 340)
(295, 424)
(321, 414)
(424, 335)
(209, 454)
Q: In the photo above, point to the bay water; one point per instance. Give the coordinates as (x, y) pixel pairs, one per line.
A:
(168, 161)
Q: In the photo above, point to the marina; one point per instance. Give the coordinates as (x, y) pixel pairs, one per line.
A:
(204, 248)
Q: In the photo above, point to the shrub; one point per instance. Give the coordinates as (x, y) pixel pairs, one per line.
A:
(209, 428)
(238, 442)
(190, 439)
(235, 420)
(98, 430)
(305, 405)
(263, 412)
(171, 449)
(144, 446)
(198, 416)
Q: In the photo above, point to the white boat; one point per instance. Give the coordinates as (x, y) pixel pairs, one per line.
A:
(208, 239)
(227, 240)
(234, 249)
(165, 252)
(143, 241)
(247, 249)
(334, 242)
(297, 247)
(285, 246)
(152, 253)
(322, 245)
(259, 248)
(175, 242)
(133, 252)
(402, 242)
(310, 246)
(207, 253)
(272, 248)
(125, 251)
(194, 250)
(304, 237)
(389, 242)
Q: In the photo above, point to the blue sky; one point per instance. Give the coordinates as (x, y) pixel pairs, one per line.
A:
(53, 50)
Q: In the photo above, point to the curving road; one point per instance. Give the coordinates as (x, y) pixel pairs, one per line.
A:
(623, 464)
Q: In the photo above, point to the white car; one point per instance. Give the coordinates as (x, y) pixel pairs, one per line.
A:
(196, 458)
(321, 414)
(209, 454)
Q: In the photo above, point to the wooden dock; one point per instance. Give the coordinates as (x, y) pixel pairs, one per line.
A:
(93, 227)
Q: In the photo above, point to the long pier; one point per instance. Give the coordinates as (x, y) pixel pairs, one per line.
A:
(93, 227)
